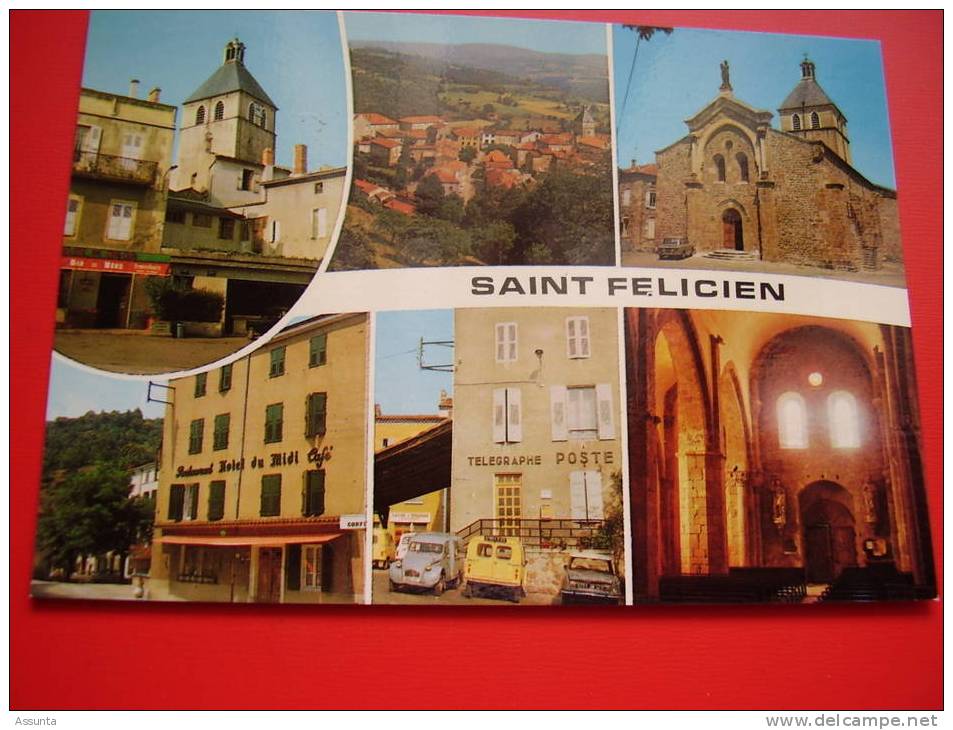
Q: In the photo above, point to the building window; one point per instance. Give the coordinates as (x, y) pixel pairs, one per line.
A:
(190, 502)
(577, 337)
(219, 111)
(792, 421)
(742, 166)
(244, 231)
(200, 115)
(274, 232)
(815, 120)
(319, 223)
(220, 432)
(316, 416)
(201, 381)
(226, 229)
(318, 188)
(796, 122)
(248, 179)
(626, 198)
(216, 500)
(311, 568)
(318, 351)
(120, 220)
(174, 215)
(196, 431)
(257, 115)
(176, 502)
(72, 215)
(507, 416)
(581, 412)
(625, 225)
(312, 498)
(720, 167)
(274, 418)
(225, 378)
(270, 495)
(585, 495)
(277, 367)
(508, 502)
(650, 199)
(506, 342)
(201, 220)
(842, 420)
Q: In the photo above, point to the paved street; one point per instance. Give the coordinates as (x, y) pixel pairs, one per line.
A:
(86, 591)
(451, 597)
(129, 351)
(890, 275)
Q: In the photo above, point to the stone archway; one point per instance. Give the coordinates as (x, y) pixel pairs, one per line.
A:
(733, 237)
(735, 442)
(828, 531)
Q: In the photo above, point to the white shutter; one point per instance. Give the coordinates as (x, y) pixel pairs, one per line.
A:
(577, 337)
(604, 405)
(72, 209)
(132, 146)
(594, 507)
(571, 336)
(514, 415)
(558, 412)
(92, 139)
(511, 340)
(500, 342)
(582, 332)
(577, 495)
(322, 222)
(499, 415)
(506, 342)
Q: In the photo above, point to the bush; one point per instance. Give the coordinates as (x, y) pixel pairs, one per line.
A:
(177, 304)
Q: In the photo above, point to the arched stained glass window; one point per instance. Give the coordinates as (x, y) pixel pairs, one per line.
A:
(843, 420)
(219, 111)
(792, 421)
(815, 120)
(720, 167)
(742, 166)
(795, 122)
(200, 115)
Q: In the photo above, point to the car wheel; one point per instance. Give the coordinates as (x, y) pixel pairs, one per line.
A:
(467, 591)
(393, 586)
(440, 587)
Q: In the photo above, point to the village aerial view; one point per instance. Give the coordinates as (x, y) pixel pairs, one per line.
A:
(477, 153)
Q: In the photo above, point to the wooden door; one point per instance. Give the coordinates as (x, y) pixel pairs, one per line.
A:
(269, 575)
(818, 550)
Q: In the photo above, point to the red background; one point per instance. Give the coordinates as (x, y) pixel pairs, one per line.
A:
(75, 655)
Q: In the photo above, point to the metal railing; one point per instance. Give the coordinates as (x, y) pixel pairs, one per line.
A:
(126, 169)
(544, 534)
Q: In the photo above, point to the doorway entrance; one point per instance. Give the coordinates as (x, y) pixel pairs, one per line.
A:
(733, 232)
(112, 300)
(269, 575)
(829, 532)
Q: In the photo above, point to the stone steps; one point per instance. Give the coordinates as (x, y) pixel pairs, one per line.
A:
(726, 254)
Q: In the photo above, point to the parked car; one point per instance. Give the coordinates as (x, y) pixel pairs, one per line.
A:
(382, 553)
(496, 565)
(401, 549)
(433, 561)
(591, 577)
(675, 248)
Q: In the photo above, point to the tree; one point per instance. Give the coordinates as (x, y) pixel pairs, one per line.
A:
(493, 242)
(353, 251)
(89, 513)
(431, 241)
(467, 154)
(390, 225)
(450, 209)
(429, 195)
(611, 534)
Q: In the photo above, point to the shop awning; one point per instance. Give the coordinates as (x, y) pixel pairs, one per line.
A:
(412, 468)
(239, 541)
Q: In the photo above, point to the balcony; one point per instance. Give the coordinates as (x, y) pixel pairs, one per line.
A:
(116, 169)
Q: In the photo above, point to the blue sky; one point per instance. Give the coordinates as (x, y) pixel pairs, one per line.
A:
(401, 387)
(295, 56)
(677, 75)
(75, 390)
(537, 35)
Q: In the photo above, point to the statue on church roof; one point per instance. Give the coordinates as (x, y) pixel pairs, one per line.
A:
(725, 80)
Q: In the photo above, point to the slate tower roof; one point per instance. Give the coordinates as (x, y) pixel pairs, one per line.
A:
(231, 76)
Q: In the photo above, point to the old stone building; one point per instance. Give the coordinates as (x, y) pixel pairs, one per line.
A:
(637, 207)
(768, 452)
(263, 470)
(737, 185)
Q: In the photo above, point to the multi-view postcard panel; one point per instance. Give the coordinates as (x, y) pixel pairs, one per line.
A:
(531, 447)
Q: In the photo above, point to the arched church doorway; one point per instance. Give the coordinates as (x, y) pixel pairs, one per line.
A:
(829, 536)
(733, 232)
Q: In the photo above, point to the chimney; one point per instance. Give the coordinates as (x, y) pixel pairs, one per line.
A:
(154, 94)
(445, 405)
(268, 161)
(377, 410)
(301, 159)
(134, 88)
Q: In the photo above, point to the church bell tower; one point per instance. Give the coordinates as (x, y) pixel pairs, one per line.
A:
(809, 113)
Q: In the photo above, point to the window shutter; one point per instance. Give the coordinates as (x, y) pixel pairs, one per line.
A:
(577, 495)
(500, 343)
(594, 495)
(604, 404)
(558, 411)
(514, 415)
(216, 500)
(305, 484)
(176, 501)
(315, 493)
(194, 506)
(583, 335)
(92, 139)
(293, 567)
(499, 415)
(571, 336)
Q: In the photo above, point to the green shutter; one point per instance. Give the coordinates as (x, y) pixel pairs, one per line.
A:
(196, 429)
(318, 351)
(293, 567)
(314, 493)
(225, 378)
(216, 500)
(222, 423)
(176, 502)
(194, 511)
(200, 382)
(316, 422)
(274, 415)
(277, 362)
(271, 495)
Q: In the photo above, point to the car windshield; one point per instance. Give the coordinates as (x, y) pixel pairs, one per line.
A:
(596, 564)
(426, 547)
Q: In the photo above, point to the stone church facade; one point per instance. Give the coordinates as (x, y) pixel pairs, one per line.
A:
(735, 183)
